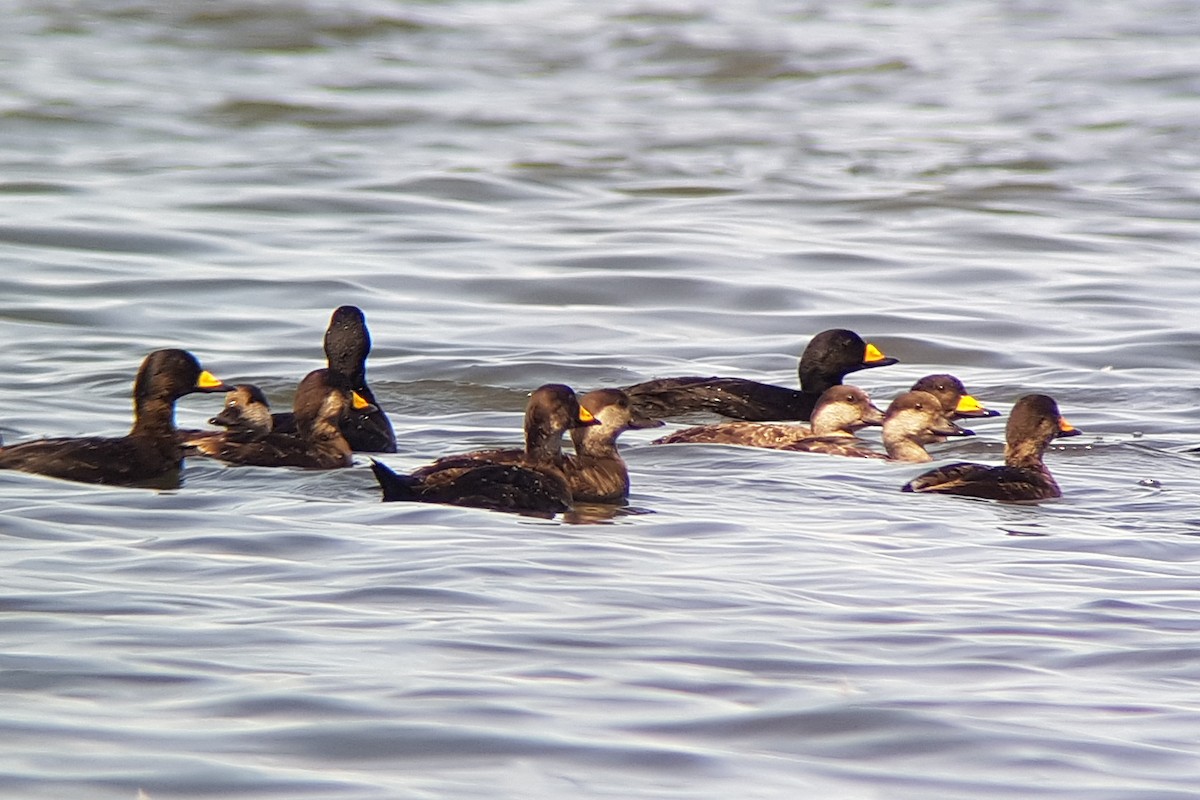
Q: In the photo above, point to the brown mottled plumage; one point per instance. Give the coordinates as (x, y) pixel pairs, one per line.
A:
(840, 412)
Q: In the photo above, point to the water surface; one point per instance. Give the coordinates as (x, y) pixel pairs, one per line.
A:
(532, 191)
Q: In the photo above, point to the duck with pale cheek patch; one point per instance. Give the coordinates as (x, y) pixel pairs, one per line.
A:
(840, 413)
(316, 443)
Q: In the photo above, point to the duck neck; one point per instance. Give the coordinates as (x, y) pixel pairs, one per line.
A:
(593, 443)
(814, 382)
(154, 416)
(905, 448)
(542, 445)
(1025, 454)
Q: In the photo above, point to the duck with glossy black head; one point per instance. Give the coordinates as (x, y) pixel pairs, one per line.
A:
(828, 358)
(1033, 423)
(149, 455)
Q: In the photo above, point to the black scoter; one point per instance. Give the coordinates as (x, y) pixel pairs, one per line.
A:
(1032, 424)
(149, 455)
(826, 361)
(347, 345)
(500, 479)
(840, 412)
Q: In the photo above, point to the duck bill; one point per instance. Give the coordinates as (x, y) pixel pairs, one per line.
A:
(585, 418)
(1065, 429)
(228, 418)
(873, 417)
(637, 421)
(874, 357)
(952, 430)
(360, 403)
(969, 407)
(207, 382)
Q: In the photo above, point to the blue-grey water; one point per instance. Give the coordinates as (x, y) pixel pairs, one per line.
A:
(600, 193)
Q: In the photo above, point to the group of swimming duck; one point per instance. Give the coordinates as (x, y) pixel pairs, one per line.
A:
(335, 414)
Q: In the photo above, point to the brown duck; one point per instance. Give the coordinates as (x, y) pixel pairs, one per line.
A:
(149, 455)
(841, 411)
(1033, 423)
(316, 443)
(530, 479)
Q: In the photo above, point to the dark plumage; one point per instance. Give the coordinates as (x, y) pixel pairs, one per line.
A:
(499, 487)
(552, 410)
(597, 473)
(1032, 424)
(316, 443)
(840, 412)
(953, 396)
(829, 357)
(149, 455)
(347, 344)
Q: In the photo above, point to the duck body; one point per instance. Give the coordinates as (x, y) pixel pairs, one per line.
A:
(149, 455)
(1033, 423)
(597, 473)
(913, 420)
(826, 361)
(504, 484)
(347, 345)
(499, 487)
(840, 411)
(317, 441)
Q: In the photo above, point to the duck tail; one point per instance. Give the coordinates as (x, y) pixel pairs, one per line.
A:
(396, 487)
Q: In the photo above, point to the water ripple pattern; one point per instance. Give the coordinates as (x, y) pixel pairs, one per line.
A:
(597, 194)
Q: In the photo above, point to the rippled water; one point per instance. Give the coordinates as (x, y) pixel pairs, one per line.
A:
(600, 193)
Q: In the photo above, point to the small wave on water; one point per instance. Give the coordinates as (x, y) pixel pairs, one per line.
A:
(600, 194)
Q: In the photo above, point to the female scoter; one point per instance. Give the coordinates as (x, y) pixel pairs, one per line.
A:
(913, 420)
(531, 479)
(246, 413)
(149, 455)
(829, 357)
(347, 344)
(1033, 422)
(597, 473)
(317, 443)
(840, 412)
